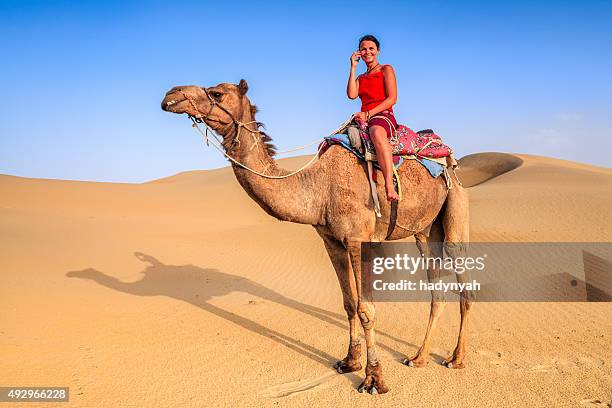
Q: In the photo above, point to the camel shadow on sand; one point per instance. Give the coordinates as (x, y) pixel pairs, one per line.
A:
(197, 286)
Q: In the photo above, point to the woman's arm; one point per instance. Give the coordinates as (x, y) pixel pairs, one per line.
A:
(390, 88)
(352, 88)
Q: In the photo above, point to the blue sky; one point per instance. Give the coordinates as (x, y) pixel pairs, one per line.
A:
(83, 82)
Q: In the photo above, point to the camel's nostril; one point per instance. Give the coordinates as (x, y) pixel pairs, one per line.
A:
(172, 102)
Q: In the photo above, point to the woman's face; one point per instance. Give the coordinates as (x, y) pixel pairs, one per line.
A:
(369, 51)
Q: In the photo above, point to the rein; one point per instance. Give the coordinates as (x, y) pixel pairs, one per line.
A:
(244, 166)
(217, 141)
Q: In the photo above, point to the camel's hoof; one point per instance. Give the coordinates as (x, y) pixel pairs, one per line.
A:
(373, 383)
(454, 364)
(367, 387)
(344, 367)
(372, 391)
(415, 362)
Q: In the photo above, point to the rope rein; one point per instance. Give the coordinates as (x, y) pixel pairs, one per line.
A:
(217, 141)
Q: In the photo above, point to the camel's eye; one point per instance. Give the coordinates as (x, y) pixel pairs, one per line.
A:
(216, 95)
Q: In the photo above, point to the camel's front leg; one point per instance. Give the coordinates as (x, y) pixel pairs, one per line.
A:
(340, 260)
(373, 382)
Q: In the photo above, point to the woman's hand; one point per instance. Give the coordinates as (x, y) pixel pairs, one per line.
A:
(355, 59)
(361, 116)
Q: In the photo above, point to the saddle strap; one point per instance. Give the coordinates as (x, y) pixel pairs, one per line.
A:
(393, 214)
(392, 220)
(423, 147)
(373, 188)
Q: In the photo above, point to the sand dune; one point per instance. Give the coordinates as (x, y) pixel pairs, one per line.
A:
(182, 291)
(477, 168)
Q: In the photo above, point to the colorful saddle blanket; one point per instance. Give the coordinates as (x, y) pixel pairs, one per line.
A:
(406, 142)
(421, 146)
(434, 168)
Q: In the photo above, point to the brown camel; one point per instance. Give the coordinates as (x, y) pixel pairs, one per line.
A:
(333, 196)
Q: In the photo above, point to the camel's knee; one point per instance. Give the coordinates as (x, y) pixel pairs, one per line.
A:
(456, 249)
(467, 300)
(438, 300)
(367, 314)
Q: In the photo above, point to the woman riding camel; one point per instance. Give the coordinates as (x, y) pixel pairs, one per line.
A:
(377, 90)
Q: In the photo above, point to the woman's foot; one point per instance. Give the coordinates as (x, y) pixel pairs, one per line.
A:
(391, 193)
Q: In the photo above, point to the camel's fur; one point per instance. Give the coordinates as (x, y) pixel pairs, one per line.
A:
(333, 196)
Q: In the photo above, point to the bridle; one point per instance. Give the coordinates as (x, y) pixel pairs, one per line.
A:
(214, 104)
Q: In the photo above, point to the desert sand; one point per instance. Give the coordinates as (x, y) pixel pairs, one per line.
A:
(183, 292)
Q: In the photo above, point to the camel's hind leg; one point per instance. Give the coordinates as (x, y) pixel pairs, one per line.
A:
(340, 260)
(430, 247)
(456, 231)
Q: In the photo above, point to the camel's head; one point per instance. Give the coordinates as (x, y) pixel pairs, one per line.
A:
(218, 105)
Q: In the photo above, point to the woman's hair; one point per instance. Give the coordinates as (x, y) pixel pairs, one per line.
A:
(369, 38)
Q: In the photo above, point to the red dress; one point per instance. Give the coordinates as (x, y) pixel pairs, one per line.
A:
(372, 92)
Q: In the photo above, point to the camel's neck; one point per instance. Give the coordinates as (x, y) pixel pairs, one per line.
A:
(297, 198)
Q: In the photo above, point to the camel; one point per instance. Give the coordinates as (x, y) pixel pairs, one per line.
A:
(333, 195)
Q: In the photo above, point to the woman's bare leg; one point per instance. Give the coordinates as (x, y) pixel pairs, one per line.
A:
(378, 135)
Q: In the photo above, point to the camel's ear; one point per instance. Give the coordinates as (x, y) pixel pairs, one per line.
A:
(243, 87)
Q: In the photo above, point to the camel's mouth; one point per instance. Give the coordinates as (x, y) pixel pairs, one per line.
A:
(174, 102)
(169, 103)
